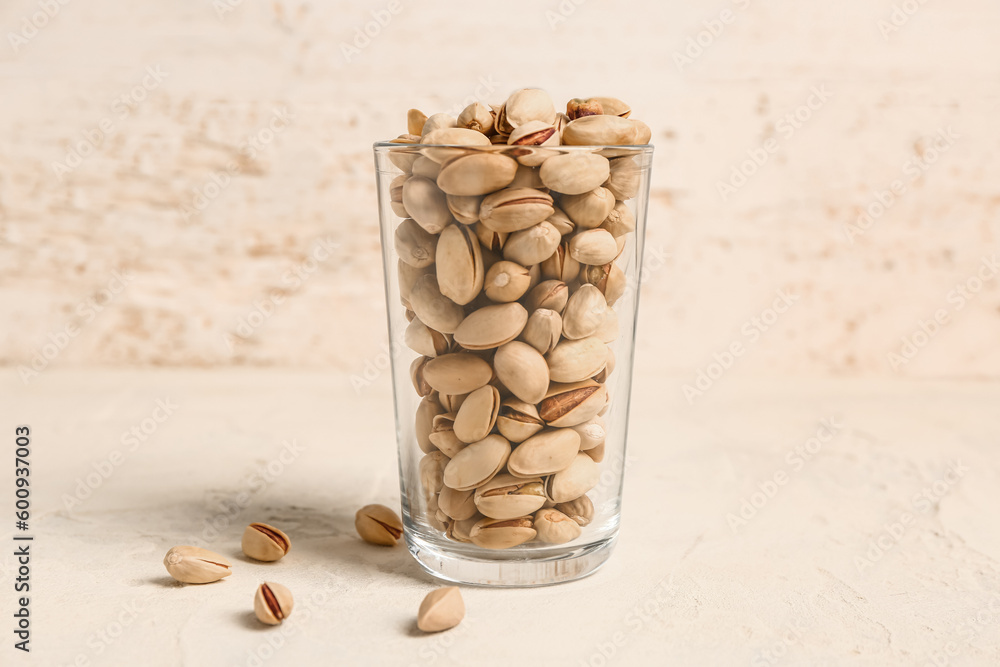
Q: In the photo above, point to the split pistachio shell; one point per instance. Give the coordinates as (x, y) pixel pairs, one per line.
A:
(433, 308)
(523, 370)
(576, 360)
(450, 136)
(425, 167)
(415, 120)
(460, 529)
(378, 524)
(417, 377)
(265, 543)
(581, 510)
(272, 603)
(529, 104)
(620, 221)
(476, 174)
(534, 156)
(426, 204)
(477, 464)
(465, 209)
(451, 402)
(561, 265)
(506, 281)
(608, 278)
(491, 326)
(402, 157)
(436, 122)
(441, 609)
(532, 133)
(489, 239)
(459, 262)
(502, 533)
(518, 420)
(478, 414)
(590, 209)
(477, 116)
(194, 565)
(443, 435)
(526, 177)
(604, 130)
(585, 312)
(532, 245)
(544, 454)
(543, 330)
(509, 497)
(550, 294)
(613, 106)
(575, 173)
(593, 246)
(457, 373)
(592, 433)
(561, 222)
(424, 422)
(554, 527)
(458, 505)
(514, 209)
(424, 340)
(573, 403)
(578, 108)
(573, 481)
(415, 245)
(623, 181)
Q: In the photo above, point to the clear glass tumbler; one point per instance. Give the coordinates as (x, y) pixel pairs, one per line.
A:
(512, 277)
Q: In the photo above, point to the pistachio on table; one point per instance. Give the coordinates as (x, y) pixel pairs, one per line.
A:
(554, 527)
(194, 565)
(265, 543)
(379, 525)
(272, 603)
(441, 609)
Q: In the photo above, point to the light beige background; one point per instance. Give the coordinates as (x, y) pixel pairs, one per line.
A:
(193, 280)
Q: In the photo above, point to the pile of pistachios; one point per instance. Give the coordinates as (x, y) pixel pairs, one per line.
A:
(507, 269)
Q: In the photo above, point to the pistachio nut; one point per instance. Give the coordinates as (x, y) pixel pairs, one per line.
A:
(404, 156)
(451, 402)
(518, 420)
(603, 130)
(608, 278)
(425, 167)
(514, 209)
(491, 326)
(576, 360)
(609, 368)
(398, 208)
(459, 262)
(573, 481)
(450, 136)
(526, 105)
(550, 294)
(265, 543)
(532, 133)
(509, 497)
(415, 120)
(532, 245)
(417, 376)
(612, 106)
(523, 370)
(573, 403)
(554, 527)
(465, 209)
(433, 308)
(457, 373)
(457, 505)
(478, 414)
(477, 464)
(543, 330)
(436, 122)
(608, 331)
(623, 181)
(396, 195)
(580, 510)
(592, 433)
(476, 174)
(590, 209)
(432, 475)
(424, 422)
(578, 108)
(477, 116)
(407, 277)
(443, 435)
(502, 533)
(534, 156)
(414, 244)
(642, 132)
(424, 340)
(272, 603)
(460, 529)
(194, 565)
(426, 204)
(409, 315)
(597, 453)
(489, 239)
(526, 177)
(378, 524)
(442, 609)
(575, 173)
(620, 221)
(584, 314)
(544, 453)
(561, 265)
(506, 281)
(593, 246)
(561, 222)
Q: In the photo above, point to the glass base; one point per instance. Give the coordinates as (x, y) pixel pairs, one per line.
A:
(460, 563)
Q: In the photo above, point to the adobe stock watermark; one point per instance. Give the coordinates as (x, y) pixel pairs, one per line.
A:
(795, 459)
(121, 108)
(900, 15)
(31, 25)
(249, 149)
(986, 617)
(912, 169)
(562, 12)
(790, 635)
(101, 640)
(486, 86)
(365, 34)
(650, 607)
(751, 331)
(223, 8)
(921, 502)
(130, 440)
(697, 44)
(786, 126)
(87, 309)
(957, 298)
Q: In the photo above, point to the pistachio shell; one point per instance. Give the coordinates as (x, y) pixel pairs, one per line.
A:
(523, 370)
(459, 264)
(414, 244)
(532, 133)
(572, 404)
(417, 376)
(593, 246)
(642, 133)
(509, 497)
(534, 156)
(518, 420)
(491, 326)
(623, 181)
(477, 464)
(608, 278)
(457, 373)
(543, 329)
(459, 530)
(575, 173)
(443, 435)
(602, 131)
(561, 265)
(590, 209)
(609, 368)
(514, 209)
(613, 106)
(489, 239)
(437, 122)
(544, 454)
(578, 108)
(426, 411)
(596, 454)
(506, 281)
(465, 209)
(584, 313)
(426, 204)
(592, 433)
(433, 308)
(620, 221)
(415, 120)
(561, 222)
(608, 331)
(477, 116)
(432, 475)
(526, 177)
(576, 360)
(451, 402)
(478, 414)
(458, 505)
(532, 245)
(554, 527)
(550, 294)
(476, 174)
(407, 277)
(404, 157)
(581, 510)
(502, 533)
(425, 167)
(424, 340)
(575, 480)
(451, 136)
(528, 104)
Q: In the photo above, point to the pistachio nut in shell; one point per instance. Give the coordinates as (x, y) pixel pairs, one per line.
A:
(532, 133)
(457, 373)
(478, 414)
(534, 156)
(573, 481)
(509, 497)
(378, 524)
(443, 435)
(424, 422)
(502, 533)
(404, 156)
(523, 370)
(414, 244)
(407, 277)
(573, 403)
(458, 505)
(592, 433)
(426, 168)
(514, 209)
(578, 108)
(477, 464)
(577, 360)
(518, 420)
(623, 181)
(451, 402)
(601, 130)
(477, 116)
(491, 326)
(506, 281)
(272, 603)
(450, 136)
(529, 104)
(544, 453)
(608, 331)
(552, 294)
(426, 204)
(642, 132)
(612, 106)
(597, 453)
(432, 474)
(415, 119)
(554, 527)
(532, 245)
(436, 122)
(489, 239)
(590, 209)
(609, 368)
(460, 529)
(580, 509)
(424, 340)
(265, 543)
(526, 177)
(465, 209)
(459, 264)
(620, 221)
(608, 278)
(561, 222)
(433, 308)
(575, 173)
(561, 265)
(417, 377)
(442, 609)
(593, 246)
(476, 174)
(194, 565)
(585, 312)
(543, 330)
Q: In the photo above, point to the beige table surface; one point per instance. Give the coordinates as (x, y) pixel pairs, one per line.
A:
(803, 582)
